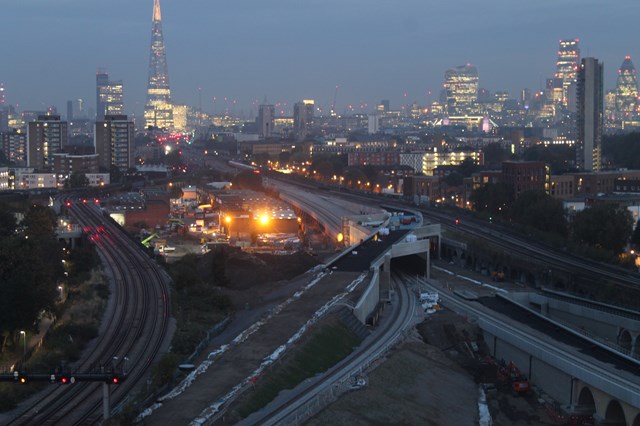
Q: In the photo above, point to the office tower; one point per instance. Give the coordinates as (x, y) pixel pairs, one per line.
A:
(45, 136)
(303, 118)
(373, 123)
(461, 87)
(158, 112)
(114, 140)
(383, 106)
(626, 90)
(2, 97)
(525, 96)
(266, 115)
(4, 118)
(590, 100)
(555, 91)
(69, 111)
(567, 65)
(109, 96)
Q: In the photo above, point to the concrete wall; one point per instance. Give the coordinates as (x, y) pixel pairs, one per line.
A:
(553, 381)
(369, 299)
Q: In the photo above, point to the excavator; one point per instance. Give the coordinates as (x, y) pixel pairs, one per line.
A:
(517, 381)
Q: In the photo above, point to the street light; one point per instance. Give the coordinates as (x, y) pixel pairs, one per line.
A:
(24, 346)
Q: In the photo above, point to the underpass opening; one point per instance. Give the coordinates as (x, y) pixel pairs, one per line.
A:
(586, 402)
(412, 264)
(624, 340)
(615, 414)
(636, 421)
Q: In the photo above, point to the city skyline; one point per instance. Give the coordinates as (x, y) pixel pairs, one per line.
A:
(286, 51)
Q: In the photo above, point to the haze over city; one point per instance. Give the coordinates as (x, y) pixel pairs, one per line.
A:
(287, 50)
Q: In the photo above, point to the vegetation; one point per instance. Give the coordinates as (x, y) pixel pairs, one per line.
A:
(247, 179)
(623, 150)
(197, 304)
(30, 268)
(603, 225)
(322, 350)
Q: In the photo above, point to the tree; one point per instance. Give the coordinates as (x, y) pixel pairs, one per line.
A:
(247, 179)
(77, 180)
(635, 237)
(494, 198)
(539, 210)
(467, 167)
(7, 224)
(454, 179)
(495, 154)
(603, 225)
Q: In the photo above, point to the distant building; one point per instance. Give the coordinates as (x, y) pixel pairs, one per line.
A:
(525, 176)
(590, 117)
(461, 87)
(303, 113)
(114, 142)
(626, 91)
(266, 115)
(64, 165)
(45, 136)
(30, 179)
(373, 124)
(567, 65)
(427, 162)
(109, 96)
(159, 111)
(14, 146)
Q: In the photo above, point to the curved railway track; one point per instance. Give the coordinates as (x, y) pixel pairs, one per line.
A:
(134, 328)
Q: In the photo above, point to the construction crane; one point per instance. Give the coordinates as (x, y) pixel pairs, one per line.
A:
(333, 105)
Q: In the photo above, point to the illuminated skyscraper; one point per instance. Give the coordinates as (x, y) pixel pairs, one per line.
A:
(567, 65)
(109, 96)
(461, 87)
(626, 90)
(590, 117)
(158, 112)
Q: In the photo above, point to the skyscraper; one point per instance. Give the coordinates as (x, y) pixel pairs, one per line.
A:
(158, 112)
(109, 96)
(567, 65)
(626, 90)
(303, 118)
(461, 87)
(590, 96)
(266, 115)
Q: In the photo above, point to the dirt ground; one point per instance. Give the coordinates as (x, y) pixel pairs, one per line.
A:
(429, 380)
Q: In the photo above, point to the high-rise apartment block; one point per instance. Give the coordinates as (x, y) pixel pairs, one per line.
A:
(46, 136)
(461, 88)
(159, 111)
(266, 115)
(303, 118)
(567, 65)
(590, 100)
(14, 146)
(109, 96)
(114, 141)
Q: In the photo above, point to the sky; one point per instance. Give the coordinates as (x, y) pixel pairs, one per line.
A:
(289, 50)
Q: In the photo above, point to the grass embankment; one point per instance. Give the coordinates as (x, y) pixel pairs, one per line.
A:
(329, 344)
(77, 324)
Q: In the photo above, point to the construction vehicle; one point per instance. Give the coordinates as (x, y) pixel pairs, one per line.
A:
(497, 276)
(510, 374)
(147, 241)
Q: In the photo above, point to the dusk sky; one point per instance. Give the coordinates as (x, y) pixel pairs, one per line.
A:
(288, 50)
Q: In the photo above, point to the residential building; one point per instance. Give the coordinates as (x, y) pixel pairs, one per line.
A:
(46, 136)
(590, 115)
(114, 142)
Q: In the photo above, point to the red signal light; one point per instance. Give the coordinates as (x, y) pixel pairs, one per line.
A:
(114, 381)
(64, 380)
(68, 204)
(457, 222)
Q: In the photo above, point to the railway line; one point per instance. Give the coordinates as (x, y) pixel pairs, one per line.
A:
(134, 329)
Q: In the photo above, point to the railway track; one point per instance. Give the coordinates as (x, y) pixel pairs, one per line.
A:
(134, 328)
